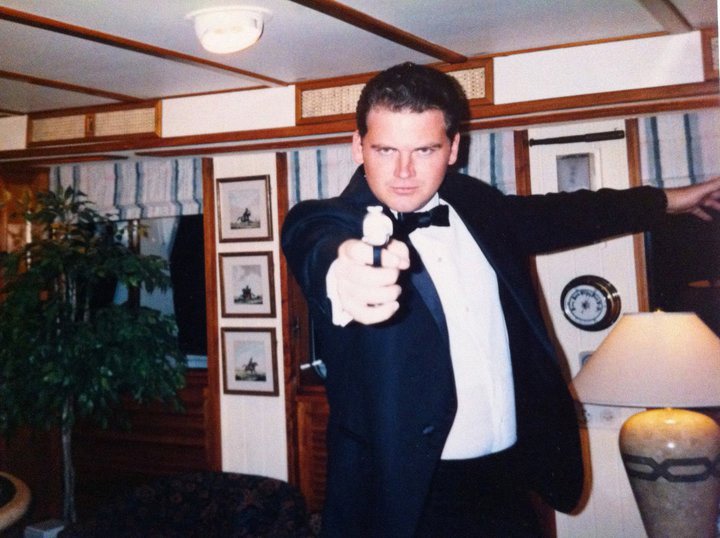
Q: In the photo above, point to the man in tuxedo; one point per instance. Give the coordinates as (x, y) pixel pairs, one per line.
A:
(447, 406)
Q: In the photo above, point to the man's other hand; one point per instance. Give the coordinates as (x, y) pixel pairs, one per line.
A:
(695, 199)
(370, 294)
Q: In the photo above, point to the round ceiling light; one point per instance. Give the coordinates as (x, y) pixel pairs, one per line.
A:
(227, 29)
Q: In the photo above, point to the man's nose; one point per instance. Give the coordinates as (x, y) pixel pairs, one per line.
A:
(404, 166)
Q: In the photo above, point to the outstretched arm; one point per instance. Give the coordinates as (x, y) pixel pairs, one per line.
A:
(695, 199)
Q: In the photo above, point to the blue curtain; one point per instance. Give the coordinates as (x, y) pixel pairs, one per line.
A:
(134, 190)
(324, 172)
(680, 149)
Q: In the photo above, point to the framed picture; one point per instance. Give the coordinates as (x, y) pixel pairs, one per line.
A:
(250, 362)
(575, 172)
(244, 209)
(246, 285)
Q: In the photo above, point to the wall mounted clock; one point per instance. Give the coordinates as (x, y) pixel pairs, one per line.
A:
(590, 303)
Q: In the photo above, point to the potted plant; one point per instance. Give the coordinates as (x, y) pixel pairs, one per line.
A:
(66, 355)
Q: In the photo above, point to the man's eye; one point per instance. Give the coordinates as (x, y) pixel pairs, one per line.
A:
(425, 151)
(385, 151)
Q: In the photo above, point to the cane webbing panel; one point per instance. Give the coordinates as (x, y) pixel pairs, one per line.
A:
(59, 128)
(472, 81)
(330, 101)
(121, 122)
(342, 100)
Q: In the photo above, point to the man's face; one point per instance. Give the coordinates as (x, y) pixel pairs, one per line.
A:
(405, 156)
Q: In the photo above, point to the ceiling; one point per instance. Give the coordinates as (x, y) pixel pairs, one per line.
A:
(57, 54)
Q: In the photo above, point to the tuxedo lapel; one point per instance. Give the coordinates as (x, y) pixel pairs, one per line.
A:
(359, 192)
(420, 279)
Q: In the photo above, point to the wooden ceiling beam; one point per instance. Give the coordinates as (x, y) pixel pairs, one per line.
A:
(68, 87)
(382, 29)
(43, 23)
(669, 16)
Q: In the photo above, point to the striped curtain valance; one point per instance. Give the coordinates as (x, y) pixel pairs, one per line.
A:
(680, 149)
(134, 190)
(319, 173)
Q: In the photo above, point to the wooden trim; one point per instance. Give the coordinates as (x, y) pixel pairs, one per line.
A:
(710, 64)
(382, 29)
(596, 113)
(95, 109)
(669, 17)
(90, 114)
(501, 123)
(598, 99)
(43, 23)
(35, 163)
(66, 86)
(212, 412)
(683, 97)
(261, 146)
(632, 138)
(289, 360)
(522, 162)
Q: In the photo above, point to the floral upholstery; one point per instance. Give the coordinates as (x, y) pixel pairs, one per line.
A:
(202, 504)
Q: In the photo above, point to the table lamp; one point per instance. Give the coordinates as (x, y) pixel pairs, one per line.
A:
(663, 361)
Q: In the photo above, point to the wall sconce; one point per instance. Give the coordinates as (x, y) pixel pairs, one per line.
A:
(663, 361)
(227, 29)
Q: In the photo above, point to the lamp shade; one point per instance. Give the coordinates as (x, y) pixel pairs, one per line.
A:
(227, 29)
(658, 359)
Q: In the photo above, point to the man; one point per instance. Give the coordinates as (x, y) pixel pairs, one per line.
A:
(446, 401)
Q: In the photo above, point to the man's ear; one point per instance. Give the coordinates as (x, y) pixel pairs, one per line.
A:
(454, 147)
(357, 152)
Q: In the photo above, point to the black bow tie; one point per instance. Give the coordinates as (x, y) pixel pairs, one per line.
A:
(437, 216)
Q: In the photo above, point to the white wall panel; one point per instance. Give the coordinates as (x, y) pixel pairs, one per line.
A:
(603, 67)
(254, 439)
(223, 112)
(13, 131)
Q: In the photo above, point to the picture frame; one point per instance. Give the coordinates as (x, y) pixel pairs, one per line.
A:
(247, 285)
(244, 210)
(250, 361)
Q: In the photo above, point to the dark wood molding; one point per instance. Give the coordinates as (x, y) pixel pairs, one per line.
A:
(677, 91)
(667, 15)
(522, 162)
(44, 23)
(615, 111)
(66, 86)
(260, 146)
(632, 140)
(288, 312)
(213, 426)
(710, 60)
(41, 163)
(621, 104)
(375, 26)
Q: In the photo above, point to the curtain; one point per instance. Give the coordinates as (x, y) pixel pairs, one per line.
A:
(680, 149)
(319, 173)
(134, 190)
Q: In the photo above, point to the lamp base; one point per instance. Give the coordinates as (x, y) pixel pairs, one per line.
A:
(671, 457)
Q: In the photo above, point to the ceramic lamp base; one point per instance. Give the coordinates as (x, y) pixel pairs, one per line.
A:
(671, 457)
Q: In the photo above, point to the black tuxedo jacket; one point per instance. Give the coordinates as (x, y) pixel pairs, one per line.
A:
(390, 386)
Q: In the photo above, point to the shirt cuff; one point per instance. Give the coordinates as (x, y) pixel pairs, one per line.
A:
(339, 316)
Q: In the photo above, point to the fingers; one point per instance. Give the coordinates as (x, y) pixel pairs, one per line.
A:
(395, 255)
(369, 294)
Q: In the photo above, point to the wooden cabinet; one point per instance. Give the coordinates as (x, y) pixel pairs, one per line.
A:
(312, 416)
(160, 442)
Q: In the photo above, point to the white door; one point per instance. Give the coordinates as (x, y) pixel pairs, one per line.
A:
(610, 509)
